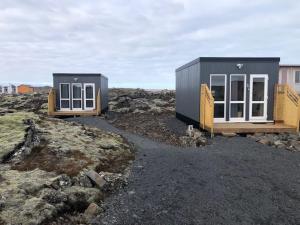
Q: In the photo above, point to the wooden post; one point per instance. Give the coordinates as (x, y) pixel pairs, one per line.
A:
(99, 103)
(51, 102)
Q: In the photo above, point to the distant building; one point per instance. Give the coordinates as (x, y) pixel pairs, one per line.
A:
(290, 74)
(8, 89)
(25, 89)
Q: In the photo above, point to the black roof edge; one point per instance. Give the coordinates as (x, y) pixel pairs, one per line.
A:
(228, 59)
(79, 74)
(289, 65)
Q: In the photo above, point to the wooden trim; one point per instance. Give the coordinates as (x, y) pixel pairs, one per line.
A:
(98, 103)
(206, 109)
(51, 102)
(286, 107)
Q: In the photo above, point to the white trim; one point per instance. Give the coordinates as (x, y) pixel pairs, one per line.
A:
(64, 99)
(220, 120)
(85, 99)
(76, 99)
(265, 101)
(238, 119)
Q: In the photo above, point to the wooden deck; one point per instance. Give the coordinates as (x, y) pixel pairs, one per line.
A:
(74, 113)
(253, 128)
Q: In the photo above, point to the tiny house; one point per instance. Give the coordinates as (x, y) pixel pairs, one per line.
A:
(78, 94)
(235, 94)
(25, 89)
(290, 74)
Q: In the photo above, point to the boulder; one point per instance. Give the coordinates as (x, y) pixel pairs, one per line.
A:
(96, 178)
(92, 211)
(160, 103)
(79, 198)
(264, 141)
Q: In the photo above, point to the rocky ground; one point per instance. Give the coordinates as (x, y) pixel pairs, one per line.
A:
(286, 141)
(151, 114)
(53, 171)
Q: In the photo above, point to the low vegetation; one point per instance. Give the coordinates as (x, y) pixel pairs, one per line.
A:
(44, 163)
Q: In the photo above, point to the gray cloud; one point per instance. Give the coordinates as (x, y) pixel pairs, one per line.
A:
(139, 43)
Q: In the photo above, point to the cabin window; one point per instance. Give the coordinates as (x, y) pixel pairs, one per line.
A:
(297, 77)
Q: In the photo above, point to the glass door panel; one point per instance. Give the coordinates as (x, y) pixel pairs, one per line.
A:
(218, 89)
(237, 97)
(77, 96)
(89, 96)
(258, 97)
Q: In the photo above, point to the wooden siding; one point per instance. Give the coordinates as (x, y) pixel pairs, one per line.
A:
(287, 107)
(206, 109)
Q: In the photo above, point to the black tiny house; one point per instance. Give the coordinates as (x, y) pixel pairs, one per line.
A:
(77, 92)
(242, 87)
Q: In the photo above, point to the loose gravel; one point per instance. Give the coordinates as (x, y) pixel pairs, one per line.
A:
(232, 181)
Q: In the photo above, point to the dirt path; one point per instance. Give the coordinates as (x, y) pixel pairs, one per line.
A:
(231, 181)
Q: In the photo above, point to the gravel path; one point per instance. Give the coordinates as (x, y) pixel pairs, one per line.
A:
(232, 181)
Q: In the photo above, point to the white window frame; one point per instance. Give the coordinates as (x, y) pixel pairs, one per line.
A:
(64, 99)
(85, 99)
(238, 119)
(77, 99)
(265, 101)
(220, 120)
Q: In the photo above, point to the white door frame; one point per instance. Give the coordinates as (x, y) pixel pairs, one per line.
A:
(77, 99)
(85, 99)
(64, 99)
(238, 119)
(265, 101)
(220, 120)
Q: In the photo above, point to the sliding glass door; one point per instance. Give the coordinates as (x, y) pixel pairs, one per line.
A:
(218, 89)
(258, 97)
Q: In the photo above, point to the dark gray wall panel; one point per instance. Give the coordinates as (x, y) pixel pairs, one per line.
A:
(104, 92)
(187, 91)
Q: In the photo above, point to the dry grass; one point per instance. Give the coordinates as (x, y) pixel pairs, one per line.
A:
(43, 158)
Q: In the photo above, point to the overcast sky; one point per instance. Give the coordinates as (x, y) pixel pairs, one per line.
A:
(139, 43)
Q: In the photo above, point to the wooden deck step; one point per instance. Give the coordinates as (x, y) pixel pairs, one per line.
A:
(253, 128)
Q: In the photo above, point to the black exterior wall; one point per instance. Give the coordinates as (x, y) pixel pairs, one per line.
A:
(99, 80)
(222, 65)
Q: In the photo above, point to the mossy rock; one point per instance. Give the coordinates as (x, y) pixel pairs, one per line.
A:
(12, 131)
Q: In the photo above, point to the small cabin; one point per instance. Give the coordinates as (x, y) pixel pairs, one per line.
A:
(290, 74)
(25, 89)
(78, 94)
(235, 94)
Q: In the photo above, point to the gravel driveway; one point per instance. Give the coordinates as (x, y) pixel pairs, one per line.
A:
(232, 181)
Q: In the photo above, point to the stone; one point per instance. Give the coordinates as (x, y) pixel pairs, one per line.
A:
(96, 178)
(160, 103)
(264, 141)
(92, 211)
(80, 197)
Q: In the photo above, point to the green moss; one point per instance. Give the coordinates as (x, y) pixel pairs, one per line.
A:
(12, 131)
